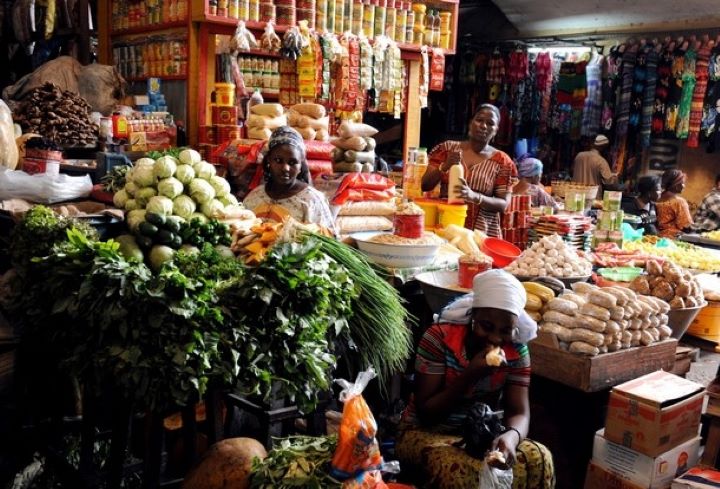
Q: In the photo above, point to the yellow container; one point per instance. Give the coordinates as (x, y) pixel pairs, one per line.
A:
(225, 94)
(706, 324)
(452, 214)
(430, 207)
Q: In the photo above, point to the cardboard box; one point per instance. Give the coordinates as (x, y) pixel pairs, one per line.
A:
(654, 413)
(645, 471)
(599, 478)
(697, 478)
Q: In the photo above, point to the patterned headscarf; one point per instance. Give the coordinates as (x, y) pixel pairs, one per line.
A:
(672, 177)
(287, 135)
(529, 167)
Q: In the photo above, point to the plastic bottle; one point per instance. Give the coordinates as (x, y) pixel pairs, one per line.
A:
(436, 29)
(409, 24)
(380, 17)
(369, 19)
(419, 28)
(429, 27)
(445, 29)
(400, 21)
(390, 19)
(455, 173)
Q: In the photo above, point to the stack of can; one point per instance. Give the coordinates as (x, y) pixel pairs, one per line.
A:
(515, 221)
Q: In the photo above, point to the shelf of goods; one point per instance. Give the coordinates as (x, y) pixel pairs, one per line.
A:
(207, 19)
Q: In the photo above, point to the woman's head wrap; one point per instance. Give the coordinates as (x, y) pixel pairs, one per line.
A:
(529, 167)
(499, 290)
(672, 178)
(287, 135)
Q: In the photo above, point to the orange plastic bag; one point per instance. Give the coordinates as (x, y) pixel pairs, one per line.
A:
(357, 460)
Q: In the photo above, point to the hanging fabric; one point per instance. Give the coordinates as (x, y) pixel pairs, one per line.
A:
(592, 111)
(675, 91)
(610, 87)
(683, 121)
(623, 108)
(701, 83)
(662, 89)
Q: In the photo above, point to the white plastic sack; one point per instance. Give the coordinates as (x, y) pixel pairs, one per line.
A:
(43, 188)
(494, 478)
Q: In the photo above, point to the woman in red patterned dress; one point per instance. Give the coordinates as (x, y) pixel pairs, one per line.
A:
(489, 173)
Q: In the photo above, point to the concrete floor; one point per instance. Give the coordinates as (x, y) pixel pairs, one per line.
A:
(703, 370)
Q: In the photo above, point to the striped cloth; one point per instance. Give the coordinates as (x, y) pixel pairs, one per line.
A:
(698, 99)
(662, 88)
(441, 351)
(496, 69)
(651, 62)
(592, 112)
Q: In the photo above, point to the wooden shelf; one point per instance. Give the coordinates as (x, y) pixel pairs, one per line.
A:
(228, 21)
(149, 28)
(259, 52)
(162, 77)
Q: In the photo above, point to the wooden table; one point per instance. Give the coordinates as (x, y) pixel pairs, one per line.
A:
(569, 395)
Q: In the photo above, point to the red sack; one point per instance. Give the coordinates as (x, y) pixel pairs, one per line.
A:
(318, 150)
(362, 195)
(319, 168)
(379, 187)
(244, 169)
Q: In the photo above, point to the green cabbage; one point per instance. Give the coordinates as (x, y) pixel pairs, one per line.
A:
(204, 170)
(185, 174)
(130, 187)
(200, 217)
(183, 206)
(213, 208)
(120, 199)
(221, 186)
(144, 194)
(131, 205)
(165, 167)
(228, 199)
(189, 157)
(143, 176)
(170, 187)
(159, 255)
(201, 191)
(134, 218)
(160, 205)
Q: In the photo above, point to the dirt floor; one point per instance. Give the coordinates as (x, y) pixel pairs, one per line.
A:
(703, 370)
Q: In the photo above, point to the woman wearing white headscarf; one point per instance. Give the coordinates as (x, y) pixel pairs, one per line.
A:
(452, 375)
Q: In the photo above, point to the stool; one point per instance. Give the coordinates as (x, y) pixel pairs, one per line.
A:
(272, 416)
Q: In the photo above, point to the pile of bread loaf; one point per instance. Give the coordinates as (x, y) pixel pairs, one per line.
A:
(670, 283)
(590, 320)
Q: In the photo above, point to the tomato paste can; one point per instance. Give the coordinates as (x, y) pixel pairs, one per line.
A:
(409, 225)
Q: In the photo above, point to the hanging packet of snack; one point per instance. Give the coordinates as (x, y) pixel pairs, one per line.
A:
(357, 456)
(437, 70)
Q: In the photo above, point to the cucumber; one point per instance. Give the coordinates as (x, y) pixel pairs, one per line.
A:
(172, 225)
(147, 229)
(166, 237)
(176, 242)
(156, 219)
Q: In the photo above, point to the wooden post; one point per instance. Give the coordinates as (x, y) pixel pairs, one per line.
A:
(411, 138)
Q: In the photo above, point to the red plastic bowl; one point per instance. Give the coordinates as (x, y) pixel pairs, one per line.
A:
(502, 252)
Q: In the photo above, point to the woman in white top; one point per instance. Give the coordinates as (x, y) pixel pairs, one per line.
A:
(287, 190)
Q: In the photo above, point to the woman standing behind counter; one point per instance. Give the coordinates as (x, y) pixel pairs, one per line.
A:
(489, 172)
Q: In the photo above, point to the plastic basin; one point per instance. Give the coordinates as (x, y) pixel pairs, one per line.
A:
(620, 274)
(502, 252)
(396, 255)
(679, 320)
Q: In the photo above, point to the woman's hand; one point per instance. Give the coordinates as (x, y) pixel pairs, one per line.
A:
(468, 194)
(453, 158)
(507, 445)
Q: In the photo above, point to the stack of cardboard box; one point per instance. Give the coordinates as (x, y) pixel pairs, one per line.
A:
(650, 435)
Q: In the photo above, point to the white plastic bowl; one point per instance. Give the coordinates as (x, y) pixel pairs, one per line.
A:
(395, 255)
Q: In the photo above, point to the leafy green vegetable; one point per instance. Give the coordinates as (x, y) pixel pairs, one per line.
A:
(283, 316)
(297, 461)
(198, 233)
(114, 180)
(378, 334)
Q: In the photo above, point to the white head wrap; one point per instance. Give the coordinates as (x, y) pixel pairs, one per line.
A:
(499, 290)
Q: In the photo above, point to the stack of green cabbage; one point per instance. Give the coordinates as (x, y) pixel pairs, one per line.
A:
(186, 187)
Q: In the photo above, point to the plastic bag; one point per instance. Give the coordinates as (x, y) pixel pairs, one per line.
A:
(43, 188)
(358, 453)
(481, 428)
(495, 478)
(630, 234)
(8, 148)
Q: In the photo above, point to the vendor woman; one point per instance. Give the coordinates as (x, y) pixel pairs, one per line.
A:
(287, 191)
(489, 172)
(530, 170)
(453, 375)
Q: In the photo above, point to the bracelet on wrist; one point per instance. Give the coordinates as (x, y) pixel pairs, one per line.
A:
(520, 438)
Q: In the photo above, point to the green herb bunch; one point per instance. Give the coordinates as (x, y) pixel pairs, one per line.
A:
(283, 315)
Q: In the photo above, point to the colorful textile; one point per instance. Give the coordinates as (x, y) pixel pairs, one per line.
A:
(675, 91)
(539, 197)
(673, 216)
(543, 71)
(611, 79)
(682, 127)
(517, 66)
(648, 101)
(309, 205)
(441, 351)
(592, 111)
(496, 69)
(662, 89)
(449, 467)
(529, 167)
(707, 217)
(698, 98)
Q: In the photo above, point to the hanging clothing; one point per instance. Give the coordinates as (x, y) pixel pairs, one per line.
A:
(611, 75)
(649, 96)
(662, 89)
(592, 111)
(517, 66)
(696, 106)
(675, 92)
(682, 127)
(496, 69)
